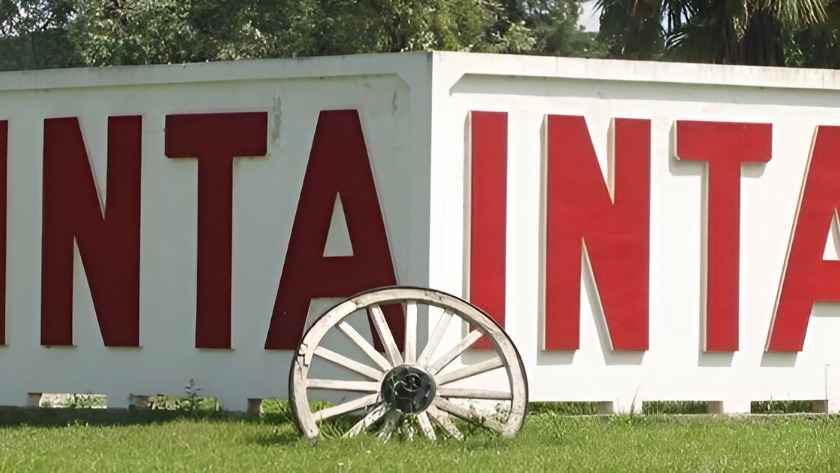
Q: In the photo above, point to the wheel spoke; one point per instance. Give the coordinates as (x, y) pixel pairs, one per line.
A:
(392, 353)
(353, 365)
(392, 419)
(443, 420)
(365, 346)
(346, 407)
(426, 425)
(339, 385)
(410, 332)
(468, 415)
(367, 421)
(474, 394)
(435, 339)
(471, 370)
(465, 343)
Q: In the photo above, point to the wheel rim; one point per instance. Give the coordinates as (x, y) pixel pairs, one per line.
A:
(416, 389)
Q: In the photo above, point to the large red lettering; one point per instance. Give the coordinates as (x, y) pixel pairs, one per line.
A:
(807, 277)
(338, 166)
(4, 142)
(488, 214)
(215, 139)
(108, 239)
(612, 225)
(725, 146)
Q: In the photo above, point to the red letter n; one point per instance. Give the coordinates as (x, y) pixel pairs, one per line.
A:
(108, 236)
(612, 225)
(488, 214)
(215, 139)
(725, 146)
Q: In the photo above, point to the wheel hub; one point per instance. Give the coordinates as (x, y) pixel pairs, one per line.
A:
(408, 389)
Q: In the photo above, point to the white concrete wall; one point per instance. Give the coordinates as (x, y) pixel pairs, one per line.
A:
(414, 111)
(390, 93)
(675, 367)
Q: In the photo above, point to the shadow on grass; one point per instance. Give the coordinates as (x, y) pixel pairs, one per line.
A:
(283, 435)
(61, 417)
(277, 424)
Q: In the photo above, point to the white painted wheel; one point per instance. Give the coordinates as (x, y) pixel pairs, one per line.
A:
(416, 389)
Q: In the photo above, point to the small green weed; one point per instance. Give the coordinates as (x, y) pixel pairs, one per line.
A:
(87, 401)
(191, 402)
(780, 407)
(276, 410)
(675, 407)
(334, 427)
(566, 408)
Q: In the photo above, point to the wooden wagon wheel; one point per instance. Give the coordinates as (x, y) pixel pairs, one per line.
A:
(419, 388)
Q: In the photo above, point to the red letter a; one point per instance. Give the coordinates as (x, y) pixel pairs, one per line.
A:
(808, 278)
(338, 165)
(108, 241)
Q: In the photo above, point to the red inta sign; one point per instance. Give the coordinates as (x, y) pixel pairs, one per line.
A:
(611, 222)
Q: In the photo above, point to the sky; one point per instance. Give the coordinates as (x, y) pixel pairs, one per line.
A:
(589, 17)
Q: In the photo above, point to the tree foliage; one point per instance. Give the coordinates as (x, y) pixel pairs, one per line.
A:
(556, 30)
(818, 44)
(33, 34)
(756, 32)
(62, 33)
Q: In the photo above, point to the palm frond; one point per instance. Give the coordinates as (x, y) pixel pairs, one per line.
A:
(795, 13)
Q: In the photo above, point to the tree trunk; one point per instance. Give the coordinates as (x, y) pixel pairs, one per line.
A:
(762, 42)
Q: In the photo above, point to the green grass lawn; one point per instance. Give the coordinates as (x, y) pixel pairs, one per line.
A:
(99, 440)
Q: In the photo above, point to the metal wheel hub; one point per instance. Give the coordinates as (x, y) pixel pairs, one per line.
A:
(408, 389)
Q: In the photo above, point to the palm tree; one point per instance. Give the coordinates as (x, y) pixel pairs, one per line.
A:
(819, 43)
(632, 29)
(720, 31)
